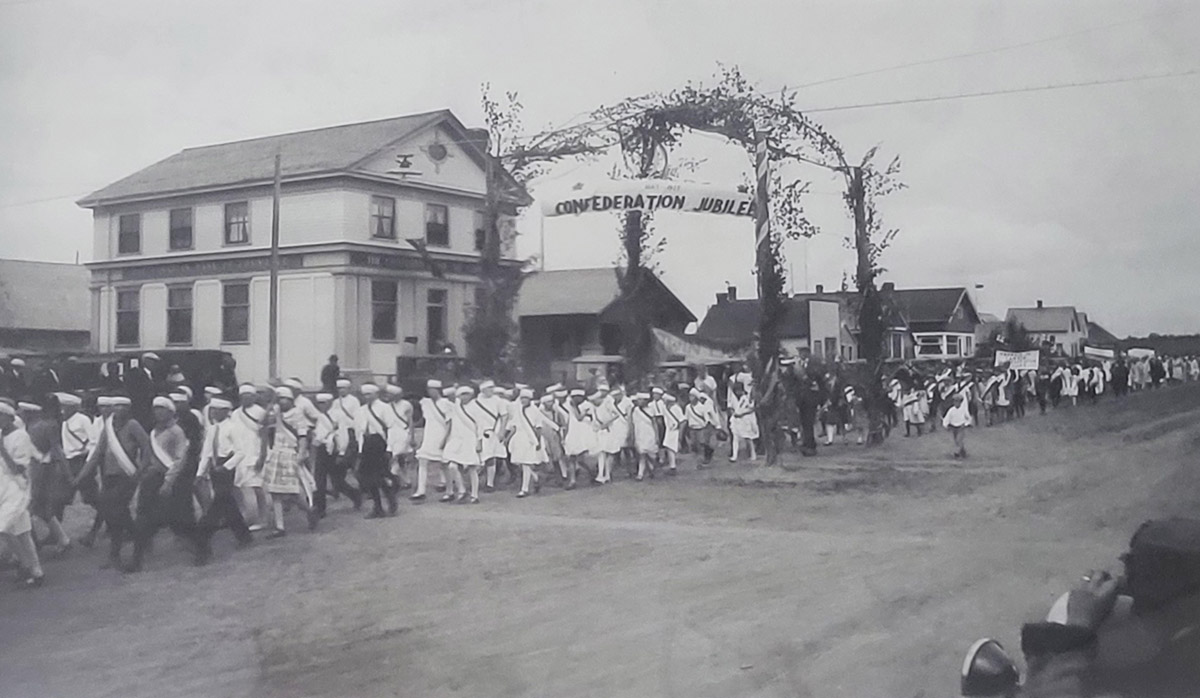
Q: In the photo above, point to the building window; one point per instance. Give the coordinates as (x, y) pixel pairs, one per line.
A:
(129, 234)
(383, 310)
(237, 223)
(480, 232)
(929, 345)
(129, 303)
(831, 350)
(435, 319)
(181, 229)
(179, 315)
(235, 312)
(968, 347)
(896, 346)
(437, 225)
(383, 217)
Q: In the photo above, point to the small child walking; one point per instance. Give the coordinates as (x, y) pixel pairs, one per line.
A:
(957, 419)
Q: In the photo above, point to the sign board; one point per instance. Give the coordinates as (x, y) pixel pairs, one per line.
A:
(651, 195)
(1140, 353)
(1018, 360)
(1098, 353)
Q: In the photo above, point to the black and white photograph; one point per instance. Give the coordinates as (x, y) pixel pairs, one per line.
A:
(600, 349)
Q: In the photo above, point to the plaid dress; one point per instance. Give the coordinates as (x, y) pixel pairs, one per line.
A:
(280, 472)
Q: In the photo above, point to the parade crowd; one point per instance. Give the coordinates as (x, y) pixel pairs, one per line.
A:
(160, 455)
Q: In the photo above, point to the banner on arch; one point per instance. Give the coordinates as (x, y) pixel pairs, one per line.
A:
(651, 195)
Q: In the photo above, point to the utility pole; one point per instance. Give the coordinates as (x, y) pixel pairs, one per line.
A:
(273, 341)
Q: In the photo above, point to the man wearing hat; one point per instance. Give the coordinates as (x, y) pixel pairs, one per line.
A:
(372, 426)
(165, 492)
(191, 421)
(120, 456)
(435, 410)
(328, 471)
(248, 477)
(16, 383)
(141, 384)
(49, 477)
(226, 445)
(76, 438)
(345, 414)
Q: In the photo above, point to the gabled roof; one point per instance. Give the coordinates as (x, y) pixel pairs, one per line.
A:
(1045, 319)
(735, 322)
(44, 296)
(928, 305)
(328, 150)
(578, 292)
(1100, 337)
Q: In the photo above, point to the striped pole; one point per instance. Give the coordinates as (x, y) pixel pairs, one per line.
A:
(769, 287)
(762, 169)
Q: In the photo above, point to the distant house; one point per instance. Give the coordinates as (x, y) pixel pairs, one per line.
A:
(811, 325)
(942, 321)
(989, 326)
(1062, 329)
(573, 314)
(44, 307)
(1097, 336)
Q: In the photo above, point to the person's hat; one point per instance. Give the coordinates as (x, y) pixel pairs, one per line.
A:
(685, 386)
(178, 397)
(285, 392)
(547, 400)
(526, 393)
(28, 407)
(465, 390)
(295, 384)
(554, 388)
(669, 397)
(220, 403)
(247, 389)
(69, 399)
(256, 412)
(7, 409)
(212, 390)
(104, 401)
(520, 386)
(343, 382)
(433, 383)
(695, 393)
(641, 396)
(19, 363)
(578, 392)
(369, 389)
(148, 356)
(657, 390)
(164, 402)
(448, 391)
(988, 670)
(598, 395)
(323, 397)
(487, 385)
(185, 390)
(120, 401)
(393, 389)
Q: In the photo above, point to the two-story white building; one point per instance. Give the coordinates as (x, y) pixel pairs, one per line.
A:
(182, 247)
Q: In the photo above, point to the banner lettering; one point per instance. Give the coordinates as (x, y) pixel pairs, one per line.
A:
(651, 195)
(1018, 360)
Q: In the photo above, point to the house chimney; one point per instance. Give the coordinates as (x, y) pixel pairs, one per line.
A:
(731, 293)
(722, 298)
(889, 286)
(1039, 304)
(820, 289)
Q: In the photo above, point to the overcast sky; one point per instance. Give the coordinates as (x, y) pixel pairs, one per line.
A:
(1082, 196)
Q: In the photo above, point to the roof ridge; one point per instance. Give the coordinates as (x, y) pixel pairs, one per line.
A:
(40, 261)
(314, 130)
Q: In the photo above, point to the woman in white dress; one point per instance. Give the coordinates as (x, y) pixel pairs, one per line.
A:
(1071, 384)
(611, 430)
(285, 473)
(581, 437)
(743, 422)
(464, 445)
(434, 410)
(16, 457)
(526, 446)
(645, 435)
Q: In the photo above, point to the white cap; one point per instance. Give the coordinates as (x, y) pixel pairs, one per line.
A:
(642, 396)
(578, 392)
(120, 401)
(526, 393)
(695, 393)
(178, 397)
(323, 397)
(433, 383)
(104, 401)
(256, 412)
(164, 402)
(185, 390)
(487, 385)
(18, 362)
(598, 395)
(617, 389)
(547, 399)
(7, 409)
(149, 355)
(520, 386)
(68, 399)
(220, 403)
(294, 384)
(448, 391)
(668, 397)
(343, 382)
(656, 389)
(28, 407)
(212, 390)
(465, 390)
(285, 392)
(554, 388)
(247, 389)
(393, 389)
(369, 389)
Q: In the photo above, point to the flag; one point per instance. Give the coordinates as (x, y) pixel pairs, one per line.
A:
(434, 267)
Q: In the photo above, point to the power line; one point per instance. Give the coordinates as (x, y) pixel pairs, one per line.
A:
(1013, 91)
(983, 52)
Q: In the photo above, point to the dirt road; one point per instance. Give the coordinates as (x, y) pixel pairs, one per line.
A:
(864, 573)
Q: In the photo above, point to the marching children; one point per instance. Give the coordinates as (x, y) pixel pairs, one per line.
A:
(645, 435)
(16, 527)
(957, 419)
(702, 421)
(743, 421)
(523, 439)
(610, 434)
(373, 423)
(226, 445)
(496, 410)
(581, 437)
(435, 411)
(464, 446)
(400, 438)
(326, 472)
(123, 447)
(673, 421)
(555, 416)
(913, 416)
